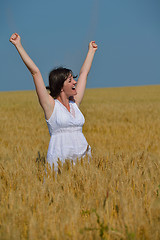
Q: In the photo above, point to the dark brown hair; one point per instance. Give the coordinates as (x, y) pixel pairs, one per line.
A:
(56, 80)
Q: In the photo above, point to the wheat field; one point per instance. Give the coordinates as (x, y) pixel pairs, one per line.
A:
(114, 196)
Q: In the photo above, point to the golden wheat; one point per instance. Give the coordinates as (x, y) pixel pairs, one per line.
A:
(114, 196)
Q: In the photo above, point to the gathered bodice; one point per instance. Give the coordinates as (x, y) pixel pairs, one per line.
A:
(62, 120)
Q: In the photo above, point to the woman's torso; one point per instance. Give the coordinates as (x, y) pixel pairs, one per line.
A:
(65, 128)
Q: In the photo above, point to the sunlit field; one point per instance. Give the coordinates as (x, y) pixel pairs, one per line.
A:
(114, 196)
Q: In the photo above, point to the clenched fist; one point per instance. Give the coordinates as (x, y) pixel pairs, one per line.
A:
(15, 39)
(93, 46)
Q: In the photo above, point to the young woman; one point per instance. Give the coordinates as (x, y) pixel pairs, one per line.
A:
(61, 106)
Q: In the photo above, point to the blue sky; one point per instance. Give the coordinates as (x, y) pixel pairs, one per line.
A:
(56, 33)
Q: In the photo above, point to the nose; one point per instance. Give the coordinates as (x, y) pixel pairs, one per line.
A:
(74, 81)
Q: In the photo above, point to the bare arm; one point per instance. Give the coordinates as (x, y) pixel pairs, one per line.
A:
(45, 100)
(82, 80)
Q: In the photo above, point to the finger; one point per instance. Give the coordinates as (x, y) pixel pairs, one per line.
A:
(10, 39)
(14, 36)
(94, 45)
(92, 42)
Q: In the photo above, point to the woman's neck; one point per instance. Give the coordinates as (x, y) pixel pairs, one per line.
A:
(64, 100)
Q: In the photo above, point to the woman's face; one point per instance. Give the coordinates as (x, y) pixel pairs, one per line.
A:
(69, 87)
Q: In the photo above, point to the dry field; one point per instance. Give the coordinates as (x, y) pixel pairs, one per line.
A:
(115, 196)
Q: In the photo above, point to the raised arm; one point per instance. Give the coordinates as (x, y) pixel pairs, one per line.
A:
(45, 100)
(82, 80)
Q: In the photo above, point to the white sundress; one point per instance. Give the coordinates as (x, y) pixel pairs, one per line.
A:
(67, 140)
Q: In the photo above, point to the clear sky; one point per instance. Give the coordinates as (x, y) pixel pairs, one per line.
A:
(57, 32)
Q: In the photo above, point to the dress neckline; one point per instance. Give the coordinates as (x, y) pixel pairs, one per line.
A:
(67, 109)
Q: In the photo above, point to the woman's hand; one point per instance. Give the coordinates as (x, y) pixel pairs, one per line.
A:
(15, 39)
(93, 46)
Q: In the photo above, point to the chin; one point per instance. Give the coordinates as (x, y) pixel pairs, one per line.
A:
(75, 93)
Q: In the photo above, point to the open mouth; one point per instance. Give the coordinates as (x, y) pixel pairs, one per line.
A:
(73, 88)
